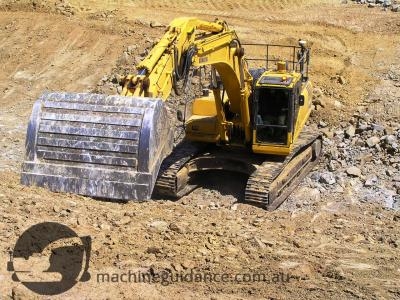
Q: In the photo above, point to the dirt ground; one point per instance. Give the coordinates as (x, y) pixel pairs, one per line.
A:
(333, 248)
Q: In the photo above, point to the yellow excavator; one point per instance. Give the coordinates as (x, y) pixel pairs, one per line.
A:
(250, 121)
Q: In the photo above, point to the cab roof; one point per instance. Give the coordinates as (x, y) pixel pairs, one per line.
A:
(278, 79)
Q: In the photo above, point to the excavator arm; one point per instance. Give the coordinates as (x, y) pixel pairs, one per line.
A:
(169, 59)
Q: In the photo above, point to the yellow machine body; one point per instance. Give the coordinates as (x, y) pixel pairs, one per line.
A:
(113, 146)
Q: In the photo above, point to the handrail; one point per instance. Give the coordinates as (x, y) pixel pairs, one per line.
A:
(302, 57)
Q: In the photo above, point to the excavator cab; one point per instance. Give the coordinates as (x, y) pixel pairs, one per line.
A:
(281, 101)
(281, 105)
(273, 115)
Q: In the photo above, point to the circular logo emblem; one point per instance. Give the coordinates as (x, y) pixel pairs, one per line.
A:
(50, 258)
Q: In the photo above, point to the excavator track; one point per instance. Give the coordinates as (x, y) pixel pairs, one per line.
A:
(172, 181)
(269, 183)
(273, 181)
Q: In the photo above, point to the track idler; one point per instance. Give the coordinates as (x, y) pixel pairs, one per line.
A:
(97, 145)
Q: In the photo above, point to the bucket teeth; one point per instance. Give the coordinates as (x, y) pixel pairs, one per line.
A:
(97, 145)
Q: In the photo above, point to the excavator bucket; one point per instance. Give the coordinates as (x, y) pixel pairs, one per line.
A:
(97, 145)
